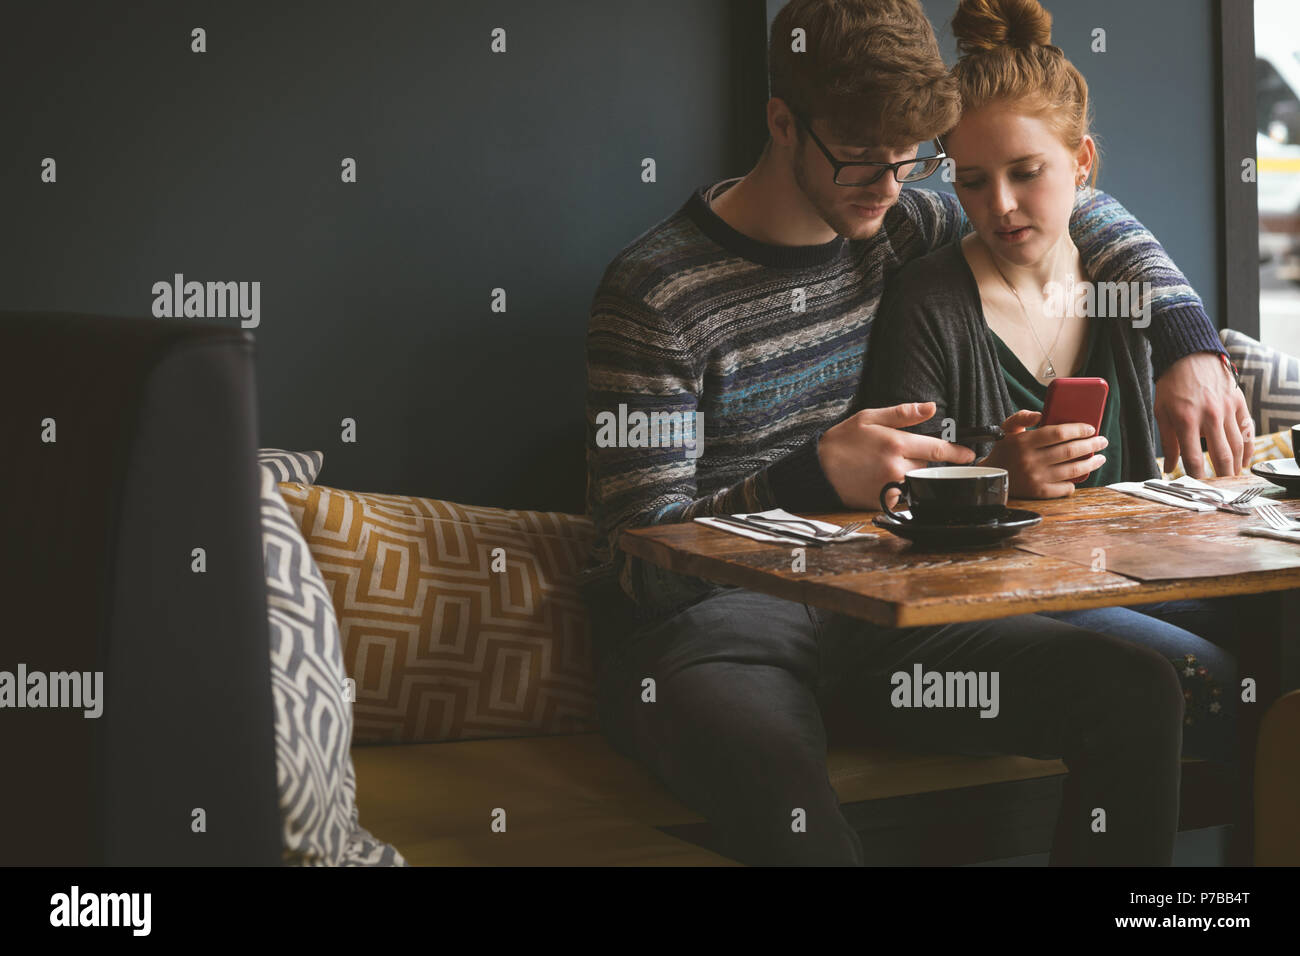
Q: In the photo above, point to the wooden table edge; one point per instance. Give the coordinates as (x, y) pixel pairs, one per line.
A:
(825, 595)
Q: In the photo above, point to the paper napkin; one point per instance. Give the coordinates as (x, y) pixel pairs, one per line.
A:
(1139, 490)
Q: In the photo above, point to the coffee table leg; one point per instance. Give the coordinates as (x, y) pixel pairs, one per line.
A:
(1259, 655)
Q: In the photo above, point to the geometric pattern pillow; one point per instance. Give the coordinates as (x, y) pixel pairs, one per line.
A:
(301, 466)
(1267, 448)
(1270, 447)
(315, 779)
(1270, 379)
(457, 622)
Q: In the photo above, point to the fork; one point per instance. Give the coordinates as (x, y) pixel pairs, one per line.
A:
(817, 532)
(1250, 494)
(1276, 519)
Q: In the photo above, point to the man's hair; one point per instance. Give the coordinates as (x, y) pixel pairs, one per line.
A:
(872, 70)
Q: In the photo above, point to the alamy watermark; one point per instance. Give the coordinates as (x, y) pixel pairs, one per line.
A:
(83, 689)
(1108, 300)
(638, 429)
(179, 299)
(76, 908)
(923, 688)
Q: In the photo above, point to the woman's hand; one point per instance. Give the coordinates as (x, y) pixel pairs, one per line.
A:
(1039, 462)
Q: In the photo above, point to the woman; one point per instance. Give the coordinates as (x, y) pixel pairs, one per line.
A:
(982, 326)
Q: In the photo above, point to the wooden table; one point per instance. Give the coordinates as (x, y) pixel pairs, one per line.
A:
(889, 581)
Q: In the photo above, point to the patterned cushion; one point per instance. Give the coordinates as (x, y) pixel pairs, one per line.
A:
(1267, 447)
(1270, 379)
(1276, 445)
(458, 622)
(313, 722)
(301, 466)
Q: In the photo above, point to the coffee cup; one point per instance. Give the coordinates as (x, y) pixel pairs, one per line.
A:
(958, 494)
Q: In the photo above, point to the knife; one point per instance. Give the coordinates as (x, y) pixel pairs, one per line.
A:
(783, 532)
(1178, 491)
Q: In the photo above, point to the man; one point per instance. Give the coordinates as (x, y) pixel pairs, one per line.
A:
(750, 307)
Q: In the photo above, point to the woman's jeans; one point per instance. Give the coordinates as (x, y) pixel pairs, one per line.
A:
(728, 700)
(1198, 639)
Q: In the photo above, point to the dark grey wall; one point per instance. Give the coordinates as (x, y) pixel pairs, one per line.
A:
(476, 171)
(1155, 99)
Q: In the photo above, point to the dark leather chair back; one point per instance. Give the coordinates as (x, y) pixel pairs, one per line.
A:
(154, 455)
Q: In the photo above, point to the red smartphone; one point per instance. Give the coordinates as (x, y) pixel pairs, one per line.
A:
(1075, 400)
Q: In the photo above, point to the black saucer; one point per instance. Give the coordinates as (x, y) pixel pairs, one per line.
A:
(1288, 479)
(1012, 523)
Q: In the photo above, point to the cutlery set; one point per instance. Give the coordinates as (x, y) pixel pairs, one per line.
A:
(1208, 496)
(782, 526)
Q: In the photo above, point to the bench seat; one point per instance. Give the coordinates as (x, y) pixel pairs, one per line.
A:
(575, 801)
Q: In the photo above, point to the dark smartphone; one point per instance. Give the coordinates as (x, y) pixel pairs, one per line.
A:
(1072, 400)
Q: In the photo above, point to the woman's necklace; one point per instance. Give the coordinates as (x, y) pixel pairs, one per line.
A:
(1050, 370)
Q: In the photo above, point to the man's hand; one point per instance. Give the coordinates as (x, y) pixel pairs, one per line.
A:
(1040, 463)
(1195, 397)
(866, 451)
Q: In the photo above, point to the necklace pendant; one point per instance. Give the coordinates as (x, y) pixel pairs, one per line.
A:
(1050, 371)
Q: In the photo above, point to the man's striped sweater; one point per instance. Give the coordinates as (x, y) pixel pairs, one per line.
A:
(695, 317)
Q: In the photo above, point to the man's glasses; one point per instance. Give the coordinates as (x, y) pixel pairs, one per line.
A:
(864, 174)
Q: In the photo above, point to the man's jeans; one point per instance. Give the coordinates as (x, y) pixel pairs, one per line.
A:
(742, 681)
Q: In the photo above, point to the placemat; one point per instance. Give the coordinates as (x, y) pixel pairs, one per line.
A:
(1162, 556)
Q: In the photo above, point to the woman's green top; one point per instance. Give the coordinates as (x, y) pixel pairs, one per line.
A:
(1028, 393)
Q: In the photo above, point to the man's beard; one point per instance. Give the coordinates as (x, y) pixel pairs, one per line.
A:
(833, 216)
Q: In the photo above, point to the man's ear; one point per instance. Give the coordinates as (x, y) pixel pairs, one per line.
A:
(781, 124)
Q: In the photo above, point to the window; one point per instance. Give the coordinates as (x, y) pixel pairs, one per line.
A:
(1277, 151)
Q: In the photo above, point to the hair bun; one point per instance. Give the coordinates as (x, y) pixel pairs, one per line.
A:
(982, 26)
